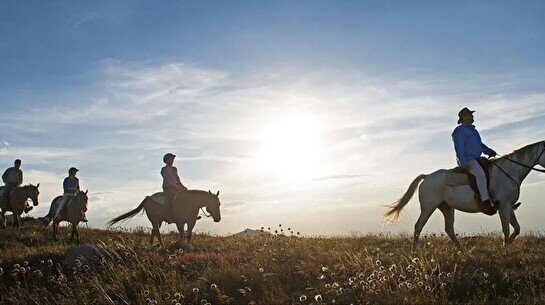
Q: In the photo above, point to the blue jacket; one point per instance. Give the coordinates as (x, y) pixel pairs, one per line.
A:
(468, 144)
(71, 185)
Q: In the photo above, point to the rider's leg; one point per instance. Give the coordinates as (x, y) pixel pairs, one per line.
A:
(61, 206)
(476, 170)
(7, 192)
(169, 192)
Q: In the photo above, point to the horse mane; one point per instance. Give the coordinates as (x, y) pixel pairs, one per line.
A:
(522, 149)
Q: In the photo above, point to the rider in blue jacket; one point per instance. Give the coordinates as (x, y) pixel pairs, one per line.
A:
(469, 147)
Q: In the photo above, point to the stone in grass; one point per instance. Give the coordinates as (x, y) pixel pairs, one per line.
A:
(85, 254)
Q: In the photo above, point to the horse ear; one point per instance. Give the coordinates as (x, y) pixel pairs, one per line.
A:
(38, 185)
(209, 192)
(86, 191)
(218, 193)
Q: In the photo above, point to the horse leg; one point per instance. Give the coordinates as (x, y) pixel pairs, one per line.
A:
(73, 233)
(425, 213)
(16, 221)
(158, 233)
(505, 213)
(448, 213)
(2, 219)
(514, 222)
(154, 231)
(180, 226)
(55, 225)
(190, 226)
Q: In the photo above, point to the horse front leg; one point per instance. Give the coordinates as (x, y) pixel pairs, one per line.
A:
(180, 226)
(55, 227)
(505, 213)
(16, 222)
(190, 226)
(516, 226)
(74, 233)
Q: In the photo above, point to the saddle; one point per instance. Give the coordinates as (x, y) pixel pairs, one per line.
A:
(461, 176)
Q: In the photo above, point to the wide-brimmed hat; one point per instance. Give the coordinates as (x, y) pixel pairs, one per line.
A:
(464, 112)
(168, 155)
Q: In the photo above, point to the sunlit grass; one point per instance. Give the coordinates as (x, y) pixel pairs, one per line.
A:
(271, 269)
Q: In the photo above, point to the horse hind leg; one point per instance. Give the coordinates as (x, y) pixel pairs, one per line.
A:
(448, 213)
(425, 213)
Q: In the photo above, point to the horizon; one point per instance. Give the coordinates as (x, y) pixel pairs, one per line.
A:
(313, 115)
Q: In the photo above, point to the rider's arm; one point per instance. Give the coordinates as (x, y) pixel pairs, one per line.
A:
(487, 150)
(457, 137)
(21, 177)
(5, 176)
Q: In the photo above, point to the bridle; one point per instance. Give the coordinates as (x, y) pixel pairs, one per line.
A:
(521, 164)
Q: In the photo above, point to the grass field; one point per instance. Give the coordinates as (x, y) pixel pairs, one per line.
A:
(271, 270)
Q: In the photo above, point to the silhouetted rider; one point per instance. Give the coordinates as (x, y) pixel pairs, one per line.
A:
(13, 178)
(171, 182)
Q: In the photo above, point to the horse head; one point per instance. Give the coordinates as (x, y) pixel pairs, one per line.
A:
(82, 200)
(33, 192)
(213, 206)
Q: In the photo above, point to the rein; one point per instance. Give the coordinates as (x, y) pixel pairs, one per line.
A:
(204, 212)
(521, 164)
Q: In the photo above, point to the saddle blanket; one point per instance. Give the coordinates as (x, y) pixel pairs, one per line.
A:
(455, 179)
(158, 197)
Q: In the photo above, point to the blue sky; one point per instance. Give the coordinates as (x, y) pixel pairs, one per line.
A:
(309, 113)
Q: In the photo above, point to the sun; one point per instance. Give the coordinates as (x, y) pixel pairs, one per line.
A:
(291, 147)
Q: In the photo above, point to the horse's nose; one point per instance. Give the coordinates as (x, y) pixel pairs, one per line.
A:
(35, 203)
(217, 219)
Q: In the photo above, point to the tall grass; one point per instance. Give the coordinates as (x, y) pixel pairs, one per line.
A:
(272, 269)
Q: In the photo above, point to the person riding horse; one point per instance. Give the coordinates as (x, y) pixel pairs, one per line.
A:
(71, 188)
(13, 178)
(469, 147)
(171, 183)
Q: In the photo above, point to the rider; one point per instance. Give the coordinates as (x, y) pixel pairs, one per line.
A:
(171, 182)
(71, 188)
(13, 178)
(469, 147)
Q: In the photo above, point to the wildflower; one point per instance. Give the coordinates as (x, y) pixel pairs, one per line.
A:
(449, 274)
(25, 263)
(318, 298)
(145, 292)
(204, 302)
(335, 285)
(196, 290)
(324, 268)
(261, 270)
(361, 275)
(351, 280)
(303, 298)
(432, 260)
(213, 286)
(416, 260)
(393, 269)
(485, 274)
(321, 277)
(50, 262)
(16, 266)
(340, 291)
(378, 262)
(178, 295)
(327, 286)
(23, 270)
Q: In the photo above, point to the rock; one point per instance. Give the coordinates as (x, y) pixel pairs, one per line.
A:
(252, 233)
(86, 254)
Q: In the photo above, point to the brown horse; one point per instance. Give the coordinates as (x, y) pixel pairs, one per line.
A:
(72, 212)
(18, 202)
(185, 206)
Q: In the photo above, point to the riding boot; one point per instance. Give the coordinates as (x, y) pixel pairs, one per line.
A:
(487, 207)
(83, 218)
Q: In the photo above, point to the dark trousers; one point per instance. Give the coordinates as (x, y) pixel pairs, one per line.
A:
(7, 192)
(170, 192)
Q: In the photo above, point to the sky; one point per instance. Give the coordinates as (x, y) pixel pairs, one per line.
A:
(310, 114)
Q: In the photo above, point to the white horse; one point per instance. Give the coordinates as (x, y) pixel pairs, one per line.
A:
(506, 176)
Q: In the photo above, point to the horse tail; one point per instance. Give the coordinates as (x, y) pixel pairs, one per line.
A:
(129, 214)
(52, 210)
(396, 207)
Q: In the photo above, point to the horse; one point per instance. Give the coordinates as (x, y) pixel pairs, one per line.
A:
(185, 210)
(18, 202)
(72, 212)
(506, 175)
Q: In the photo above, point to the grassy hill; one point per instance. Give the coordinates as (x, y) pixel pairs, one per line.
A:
(271, 270)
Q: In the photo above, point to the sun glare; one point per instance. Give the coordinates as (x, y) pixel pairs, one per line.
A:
(291, 148)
